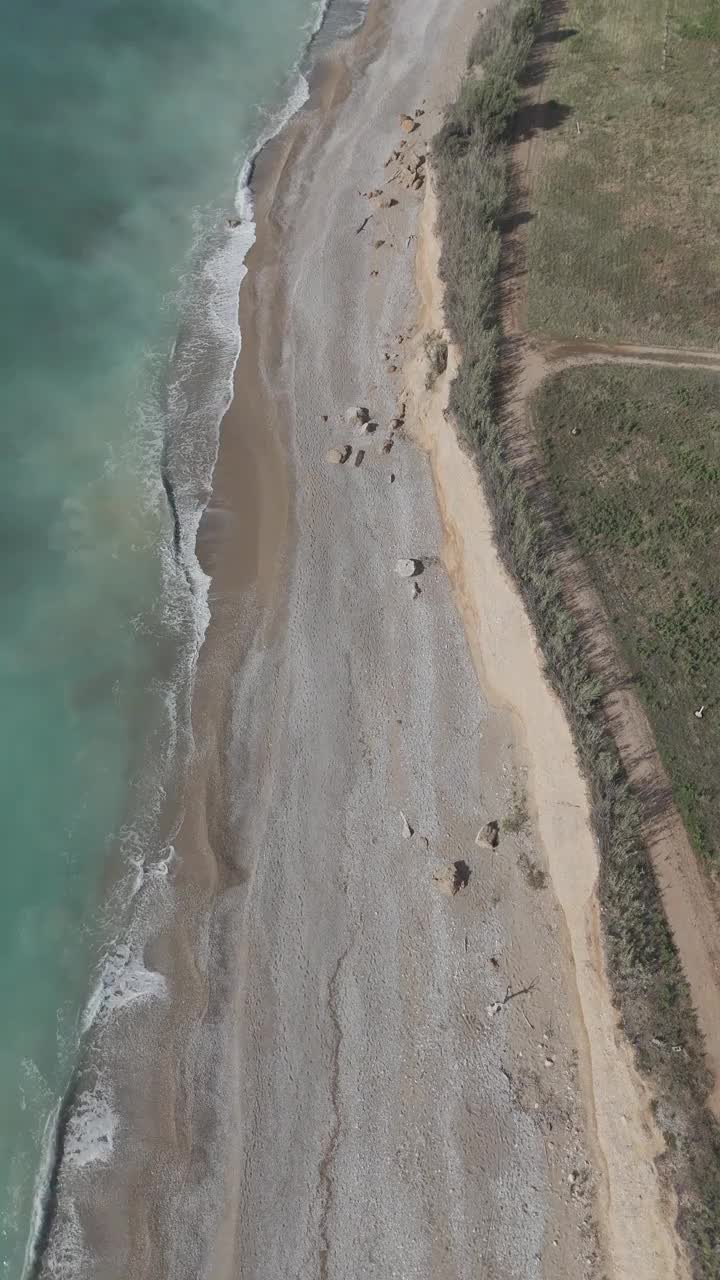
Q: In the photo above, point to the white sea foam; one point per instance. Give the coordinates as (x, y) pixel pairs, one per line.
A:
(123, 981)
(67, 1258)
(91, 1129)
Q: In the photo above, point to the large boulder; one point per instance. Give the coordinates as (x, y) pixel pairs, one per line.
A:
(407, 568)
(358, 414)
(488, 836)
(338, 456)
(451, 878)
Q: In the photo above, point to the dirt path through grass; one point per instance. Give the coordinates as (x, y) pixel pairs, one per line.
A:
(689, 899)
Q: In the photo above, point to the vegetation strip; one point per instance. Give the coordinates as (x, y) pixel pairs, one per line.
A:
(471, 163)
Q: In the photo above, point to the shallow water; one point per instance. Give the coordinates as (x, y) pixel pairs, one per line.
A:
(124, 128)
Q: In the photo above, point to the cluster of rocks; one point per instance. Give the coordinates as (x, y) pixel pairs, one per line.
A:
(411, 165)
(358, 416)
(410, 160)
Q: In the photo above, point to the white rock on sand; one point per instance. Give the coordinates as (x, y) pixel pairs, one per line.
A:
(407, 568)
(358, 415)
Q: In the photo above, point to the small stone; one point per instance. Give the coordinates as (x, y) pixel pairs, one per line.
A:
(396, 424)
(388, 202)
(387, 444)
(407, 568)
(378, 244)
(407, 124)
(488, 836)
(415, 590)
(359, 457)
(325, 417)
(406, 828)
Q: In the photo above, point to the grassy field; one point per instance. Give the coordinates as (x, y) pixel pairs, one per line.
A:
(638, 488)
(625, 242)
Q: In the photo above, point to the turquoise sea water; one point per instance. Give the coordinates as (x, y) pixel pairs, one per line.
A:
(124, 127)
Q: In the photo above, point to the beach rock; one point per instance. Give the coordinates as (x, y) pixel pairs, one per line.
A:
(451, 878)
(359, 457)
(407, 124)
(378, 244)
(388, 444)
(233, 223)
(338, 456)
(415, 590)
(396, 424)
(488, 836)
(407, 568)
(369, 428)
(418, 182)
(388, 202)
(358, 414)
(407, 830)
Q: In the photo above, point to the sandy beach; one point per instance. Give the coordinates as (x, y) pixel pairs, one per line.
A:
(358, 1075)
